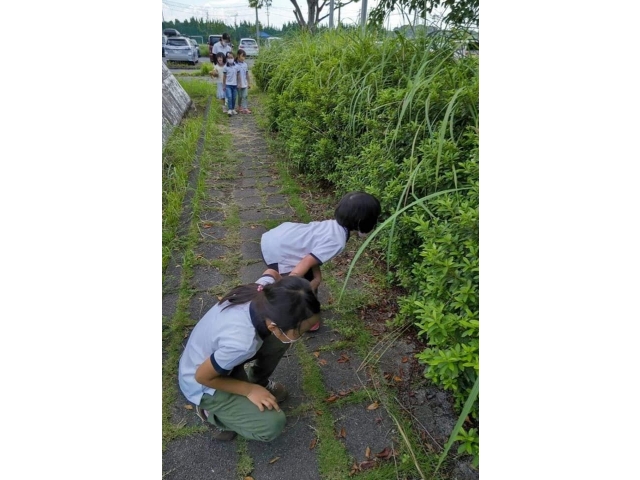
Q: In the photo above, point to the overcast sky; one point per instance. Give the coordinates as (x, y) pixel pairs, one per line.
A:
(280, 12)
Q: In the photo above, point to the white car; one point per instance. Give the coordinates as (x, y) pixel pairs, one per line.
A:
(195, 44)
(250, 46)
(180, 49)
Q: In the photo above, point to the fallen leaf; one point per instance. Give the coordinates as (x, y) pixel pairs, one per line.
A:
(405, 359)
(367, 465)
(316, 354)
(322, 361)
(219, 297)
(313, 444)
(397, 379)
(386, 453)
(253, 227)
(343, 358)
(343, 433)
(367, 452)
(387, 376)
(318, 412)
(274, 460)
(248, 478)
(331, 399)
(354, 469)
(188, 407)
(373, 406)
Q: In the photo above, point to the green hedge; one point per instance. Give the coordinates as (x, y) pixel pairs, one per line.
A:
(398, 119)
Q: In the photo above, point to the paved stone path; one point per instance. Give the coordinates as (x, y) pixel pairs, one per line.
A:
(252, 195)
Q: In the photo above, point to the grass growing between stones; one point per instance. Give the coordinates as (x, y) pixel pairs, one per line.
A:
(333, 459)
(245, 462)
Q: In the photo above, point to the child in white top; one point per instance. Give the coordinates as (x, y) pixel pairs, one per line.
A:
(257, 323)
(299, 249)
(217, 74)
(230, 79)
(243, 84)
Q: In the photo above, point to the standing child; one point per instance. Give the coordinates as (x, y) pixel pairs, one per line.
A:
(230, 79)
(243, 83)
(299, 249)
(217, 74)
(255, 322)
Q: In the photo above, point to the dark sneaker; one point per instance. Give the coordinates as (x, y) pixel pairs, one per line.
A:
(223, 435)
(278, 391)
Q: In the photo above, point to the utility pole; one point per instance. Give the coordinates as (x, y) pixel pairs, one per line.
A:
(257, 28)
(331, 14)
(268, 5)
(339, 10)
(235, 20)
(363, 15)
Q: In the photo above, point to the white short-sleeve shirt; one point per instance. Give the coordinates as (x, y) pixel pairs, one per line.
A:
(219, 47)
(232, 74)
(243, 68)
(227, 337)
(289, 243)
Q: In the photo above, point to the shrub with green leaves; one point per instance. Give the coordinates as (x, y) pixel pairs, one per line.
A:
(398, 119)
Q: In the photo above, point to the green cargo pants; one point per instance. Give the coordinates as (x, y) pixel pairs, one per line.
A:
(228, 411)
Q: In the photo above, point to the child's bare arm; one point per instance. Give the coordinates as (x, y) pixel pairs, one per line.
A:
(317, 277)
(306, 264)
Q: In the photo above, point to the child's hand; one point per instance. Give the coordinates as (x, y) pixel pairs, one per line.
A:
(261, 397)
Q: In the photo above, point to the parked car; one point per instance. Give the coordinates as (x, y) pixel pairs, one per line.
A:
(180, 49)
(164, 42)
(213, 39)
(171, 32)
(250, 46)
(195, 44)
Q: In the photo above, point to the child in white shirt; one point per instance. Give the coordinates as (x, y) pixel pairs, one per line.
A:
(243, 84)
(299, 249)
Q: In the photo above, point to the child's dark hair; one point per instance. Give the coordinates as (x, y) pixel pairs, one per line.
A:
(222, 56)
(358, 211)
(241, 52)
(287, 302)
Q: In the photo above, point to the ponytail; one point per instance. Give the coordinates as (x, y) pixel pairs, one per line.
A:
(286, 302)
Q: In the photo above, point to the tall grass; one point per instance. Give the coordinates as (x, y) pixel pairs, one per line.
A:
(399, 119)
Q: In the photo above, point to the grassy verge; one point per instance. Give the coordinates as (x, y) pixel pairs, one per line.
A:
(180, 157)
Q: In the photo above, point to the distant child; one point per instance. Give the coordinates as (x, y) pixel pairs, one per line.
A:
(230, 79)
(252, 323)
(299, 249)
(243, 84)
(217, 74)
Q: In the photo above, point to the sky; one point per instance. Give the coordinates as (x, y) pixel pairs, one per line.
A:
(280, 12)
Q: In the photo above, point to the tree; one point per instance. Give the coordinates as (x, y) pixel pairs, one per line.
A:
(459, 12)
(314, 8)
